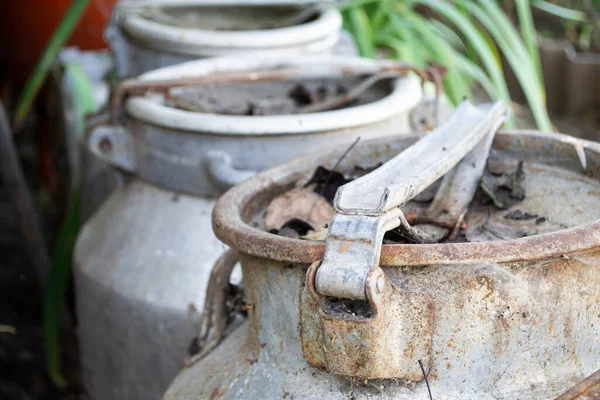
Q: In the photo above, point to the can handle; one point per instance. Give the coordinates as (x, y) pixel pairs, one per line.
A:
(223, 172)
(369, 206)
(113, 144)
(215, 313)
(417, 167)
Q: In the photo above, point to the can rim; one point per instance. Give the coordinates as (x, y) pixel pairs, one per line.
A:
(231, 209)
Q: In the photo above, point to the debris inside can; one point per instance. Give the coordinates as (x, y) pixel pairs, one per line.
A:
(277, 98)
(500, 209)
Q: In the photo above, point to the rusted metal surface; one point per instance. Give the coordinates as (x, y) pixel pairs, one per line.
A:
(264, 359)
(234, 210)
(511, 319)
(498, 329)
(369, 206)
(588, 389)
(390, 336)
(215, 313)
(388, 342)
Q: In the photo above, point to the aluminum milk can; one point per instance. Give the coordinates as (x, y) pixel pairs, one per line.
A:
(511, 312)
(143, 260)
(146, 35)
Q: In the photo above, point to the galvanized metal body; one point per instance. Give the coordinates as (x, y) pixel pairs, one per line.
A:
(143, 260)
(507, 319)
(144, 36)
(141, 266)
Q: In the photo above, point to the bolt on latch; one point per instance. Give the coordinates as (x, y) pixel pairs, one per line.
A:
(388, 341)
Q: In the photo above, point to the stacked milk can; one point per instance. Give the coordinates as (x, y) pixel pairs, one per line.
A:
(144, 257)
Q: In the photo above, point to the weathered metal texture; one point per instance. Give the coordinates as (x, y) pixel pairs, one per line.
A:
(397, 327)
(369, 206)
(394, 326)
(142, 43)
(548, 149)
(588, 389)
(512, 318)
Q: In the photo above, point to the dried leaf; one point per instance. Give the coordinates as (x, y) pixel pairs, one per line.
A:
(302, 204)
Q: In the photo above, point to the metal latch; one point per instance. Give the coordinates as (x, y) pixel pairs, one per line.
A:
(386, 340)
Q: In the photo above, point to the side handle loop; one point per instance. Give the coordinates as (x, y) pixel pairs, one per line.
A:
(113, 144)
(221, 169)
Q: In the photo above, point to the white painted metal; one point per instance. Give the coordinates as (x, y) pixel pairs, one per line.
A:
(143, 43)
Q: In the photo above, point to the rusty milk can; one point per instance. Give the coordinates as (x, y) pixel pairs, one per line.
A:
(142, 262)
(146, 35)
(510, 312)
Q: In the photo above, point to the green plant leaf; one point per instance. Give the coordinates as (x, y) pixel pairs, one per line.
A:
(56, 286)
(404, 32)
(448, 34)
(383, 9)
(514, 50)
(455, 86)
(472, 36)
(558, 11)
(348, 5)
(402, 50)
(529, 35)
(475, 72)
(361, 29)
(60, 270)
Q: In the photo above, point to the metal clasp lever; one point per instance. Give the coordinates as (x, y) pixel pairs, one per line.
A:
(370, 206)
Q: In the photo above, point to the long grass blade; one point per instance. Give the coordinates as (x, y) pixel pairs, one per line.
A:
(475, 72)
(56, 287)
(455, 86)
(41, 70)
(529, 35)
(513, 49)
(60, 270)
(558, 11)
(348, 5)
(363, 34)
(403, 31)
(402, 50)
(448, 34)
(381, 13)
(469, 31)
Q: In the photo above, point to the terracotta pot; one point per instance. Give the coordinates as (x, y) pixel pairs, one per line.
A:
(32, 22)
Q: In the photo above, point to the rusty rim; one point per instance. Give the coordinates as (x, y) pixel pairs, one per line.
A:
(230, 227)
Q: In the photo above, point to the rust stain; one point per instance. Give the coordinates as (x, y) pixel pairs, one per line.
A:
(588, 389)
(344, 247)
(368, 347)
(216, 394)
(504, 323)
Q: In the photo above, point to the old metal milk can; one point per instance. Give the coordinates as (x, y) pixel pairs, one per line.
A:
(143, 260)
(505, 308)
(146, 35)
